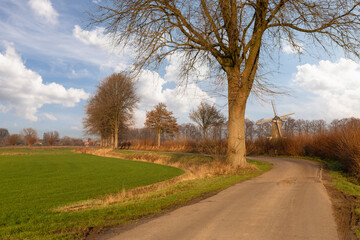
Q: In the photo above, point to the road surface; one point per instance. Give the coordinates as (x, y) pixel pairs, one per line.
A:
(288, 202)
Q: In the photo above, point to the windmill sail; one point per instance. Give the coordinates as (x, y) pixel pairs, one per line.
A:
(264, 121)
(276, 130)
(286, 115)
(274, 108)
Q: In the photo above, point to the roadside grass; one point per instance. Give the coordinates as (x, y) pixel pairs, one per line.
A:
(41, 196)
(342, 180)
(31, 186)
(183, 160)
(35, 150)
(134, 207)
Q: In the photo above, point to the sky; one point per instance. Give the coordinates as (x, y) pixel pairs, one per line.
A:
(50, 64)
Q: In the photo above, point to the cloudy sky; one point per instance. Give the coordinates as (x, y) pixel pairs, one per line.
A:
(50, 65)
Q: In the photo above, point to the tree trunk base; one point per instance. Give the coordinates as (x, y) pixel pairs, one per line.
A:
(237, 161)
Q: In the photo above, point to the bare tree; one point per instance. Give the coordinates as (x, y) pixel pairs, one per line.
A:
(188, 131)
(206, 116)
(234, 34)
(249, 129)
(263, 130)
(4, 133)
(162, 121)
(30, 136)
(51, 137)
(96, 122)
(110, 110)
(13, 139)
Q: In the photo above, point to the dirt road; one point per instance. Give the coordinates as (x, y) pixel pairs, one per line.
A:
(288, 202)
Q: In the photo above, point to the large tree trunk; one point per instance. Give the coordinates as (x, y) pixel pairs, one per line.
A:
(236, 151)
(237, 97)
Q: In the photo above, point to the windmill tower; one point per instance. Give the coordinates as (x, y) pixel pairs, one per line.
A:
(276, 129)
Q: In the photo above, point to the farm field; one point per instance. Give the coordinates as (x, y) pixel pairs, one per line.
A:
(34, 183)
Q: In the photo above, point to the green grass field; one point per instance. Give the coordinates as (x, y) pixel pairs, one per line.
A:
(33, 184)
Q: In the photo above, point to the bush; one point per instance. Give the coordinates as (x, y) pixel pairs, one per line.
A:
(340, 143)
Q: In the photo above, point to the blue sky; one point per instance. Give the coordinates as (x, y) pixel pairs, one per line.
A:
(50, 65)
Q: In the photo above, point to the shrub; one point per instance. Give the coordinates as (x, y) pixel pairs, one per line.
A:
(337, 143)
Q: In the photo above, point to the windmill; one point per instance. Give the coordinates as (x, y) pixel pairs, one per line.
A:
(276, 129)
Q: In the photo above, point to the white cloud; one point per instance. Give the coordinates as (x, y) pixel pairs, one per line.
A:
(3, 108)
(180, 100)
(75, 128)
(118, 57)
(290, 49)
(44, 9)
(82, 73)
(151, 87)
(23, 91)
(199, 73)
(185, 98)
(50, 116)
(335, 85)
(96, 37)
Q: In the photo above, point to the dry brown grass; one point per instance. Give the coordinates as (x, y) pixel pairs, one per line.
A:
(209, 146)
(123, 196)
(341, 143)
(195, 166)
(12, 154)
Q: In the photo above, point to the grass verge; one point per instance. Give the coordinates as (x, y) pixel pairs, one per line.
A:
(36, 190)
(134, 207)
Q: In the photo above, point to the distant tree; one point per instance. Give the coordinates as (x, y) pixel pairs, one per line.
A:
(96, 122)
(189, 131)
(110, 110)
(206, 116)
(30, 136)
(51, 137)
(290, 126)
(249, 129)
(263, 130)
(4, 133)
(66, 141)
(13, 139)
(162, 121)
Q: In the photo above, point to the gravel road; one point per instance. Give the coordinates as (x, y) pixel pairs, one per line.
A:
(288, 202)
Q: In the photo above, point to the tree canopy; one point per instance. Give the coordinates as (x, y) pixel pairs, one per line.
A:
(30, 136)
(205, 116)
(231, 34)
(51, 137)
(110, 110)
(161, 120)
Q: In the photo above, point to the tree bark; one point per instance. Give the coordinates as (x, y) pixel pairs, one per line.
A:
(112, 140)
(237, 97)
(159, 134)
(116, 136)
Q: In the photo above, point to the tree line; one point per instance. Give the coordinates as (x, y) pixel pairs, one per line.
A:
(109, 114)
(29, 137)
